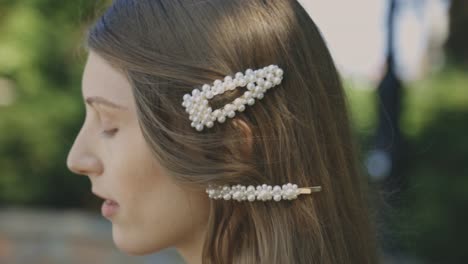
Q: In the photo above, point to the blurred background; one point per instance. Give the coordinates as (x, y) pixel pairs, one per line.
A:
(404, 64)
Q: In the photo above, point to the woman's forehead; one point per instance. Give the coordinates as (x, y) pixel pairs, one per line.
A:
(105, 85)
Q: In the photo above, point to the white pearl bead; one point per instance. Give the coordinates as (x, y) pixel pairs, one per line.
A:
(260, 82)
(205, 87)
(227, 197)
(276, 80)
(221, 119)
(241, 108)
(260, 96)
(251, 197)
(231, 86)
(250, 86)
(239, 75)
(251, 101)
(262, 195)
(199, 127)
(248, 71)
(227, 78)
(277, 197)
(186, 97)
(228, 107)
(279, 72)
(231, 114)
(270, 76)
(215, 113)
(242, 82)
(261, 73)
(237, 102)
(210, 124)
(217, 82)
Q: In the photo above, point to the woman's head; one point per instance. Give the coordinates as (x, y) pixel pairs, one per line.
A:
(147, 55)
(153, 212)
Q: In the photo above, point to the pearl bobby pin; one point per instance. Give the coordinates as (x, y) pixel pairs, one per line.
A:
(257, 83)
(261, 192)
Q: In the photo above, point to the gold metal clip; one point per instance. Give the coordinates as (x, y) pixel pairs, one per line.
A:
(308, 190)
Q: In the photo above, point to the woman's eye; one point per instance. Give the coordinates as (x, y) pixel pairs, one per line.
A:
(110, 132)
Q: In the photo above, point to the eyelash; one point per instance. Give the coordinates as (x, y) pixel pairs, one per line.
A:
(110, 132)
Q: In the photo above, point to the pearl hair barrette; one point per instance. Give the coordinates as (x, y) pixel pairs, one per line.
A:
(261, 192)
(257, 83)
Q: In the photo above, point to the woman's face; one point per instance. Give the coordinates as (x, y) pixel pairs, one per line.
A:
(153, 213)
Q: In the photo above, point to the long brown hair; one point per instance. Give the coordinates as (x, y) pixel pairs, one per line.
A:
(299, 133)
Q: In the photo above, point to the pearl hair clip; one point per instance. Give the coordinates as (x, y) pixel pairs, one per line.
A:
(201, 114)
(261, 192)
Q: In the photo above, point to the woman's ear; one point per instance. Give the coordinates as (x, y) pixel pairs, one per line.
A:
(244, 128)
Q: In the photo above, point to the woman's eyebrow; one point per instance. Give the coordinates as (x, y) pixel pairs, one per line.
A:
(100, 100)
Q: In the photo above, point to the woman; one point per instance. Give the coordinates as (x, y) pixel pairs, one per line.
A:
(154, 163)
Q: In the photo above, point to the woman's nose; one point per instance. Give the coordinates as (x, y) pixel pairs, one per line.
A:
(84, 164)
(82, 159)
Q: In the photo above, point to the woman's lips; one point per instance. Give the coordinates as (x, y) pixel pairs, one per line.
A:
(109, 208)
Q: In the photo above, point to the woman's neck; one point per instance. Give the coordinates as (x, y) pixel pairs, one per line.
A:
(191, 250)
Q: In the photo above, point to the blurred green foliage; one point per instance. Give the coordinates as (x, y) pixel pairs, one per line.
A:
(41, 111)
(427, 215)
(431, 220)
(41, 60)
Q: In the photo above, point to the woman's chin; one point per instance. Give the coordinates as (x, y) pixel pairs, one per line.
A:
(131, 247)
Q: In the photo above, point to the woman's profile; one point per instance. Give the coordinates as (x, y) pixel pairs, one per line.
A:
(152, 150)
